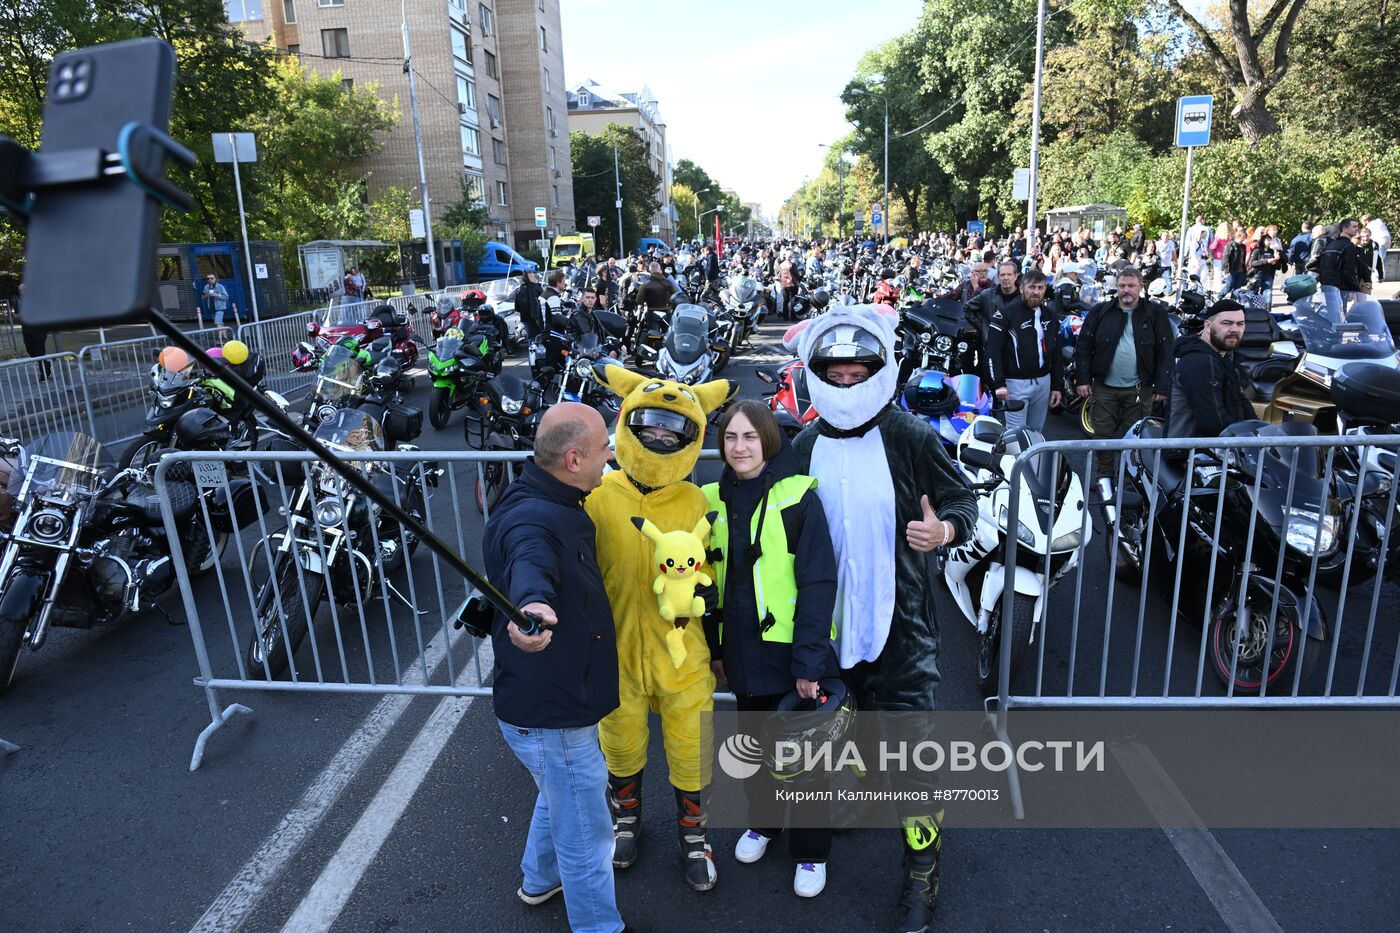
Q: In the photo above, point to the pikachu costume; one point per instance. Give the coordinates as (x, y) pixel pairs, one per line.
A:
(660, 431)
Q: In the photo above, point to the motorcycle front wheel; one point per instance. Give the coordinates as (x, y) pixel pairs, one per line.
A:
(1086, 416)
(440, 408)
(490, 485)
(11, 640)
(1280, 657)
(279, 602)
(141, 453)
(989, 649)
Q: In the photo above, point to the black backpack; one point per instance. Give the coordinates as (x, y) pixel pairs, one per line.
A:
(1329, 261)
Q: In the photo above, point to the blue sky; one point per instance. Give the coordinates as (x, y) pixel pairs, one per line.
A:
(747, 89)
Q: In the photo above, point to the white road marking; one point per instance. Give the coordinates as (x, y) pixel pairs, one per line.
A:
(242, 894)
(343, 873)
(1221, 880)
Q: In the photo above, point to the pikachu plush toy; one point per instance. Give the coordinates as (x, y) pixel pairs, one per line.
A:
(678, 556)
(663, 659)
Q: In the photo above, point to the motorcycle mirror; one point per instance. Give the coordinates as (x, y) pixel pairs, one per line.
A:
(765, 376)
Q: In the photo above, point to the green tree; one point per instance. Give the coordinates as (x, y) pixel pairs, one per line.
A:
(594, 185)
(684, 200)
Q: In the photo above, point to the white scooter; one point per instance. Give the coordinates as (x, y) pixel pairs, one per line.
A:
(975, 570)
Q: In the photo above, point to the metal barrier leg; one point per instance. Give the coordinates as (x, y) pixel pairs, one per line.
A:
(8, 747)
(229, 712)
(1013, 774)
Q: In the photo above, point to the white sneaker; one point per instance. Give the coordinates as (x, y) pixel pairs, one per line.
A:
(751, 847)
(810, 879)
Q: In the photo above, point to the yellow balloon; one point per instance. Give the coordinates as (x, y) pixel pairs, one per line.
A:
(236, 352)
(173, 359)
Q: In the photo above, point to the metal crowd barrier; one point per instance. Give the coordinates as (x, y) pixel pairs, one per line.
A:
(43, 395)
(115, 377)
(383, 632)
(1187, 625)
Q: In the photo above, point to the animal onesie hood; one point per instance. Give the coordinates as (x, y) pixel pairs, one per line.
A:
(873, 464)
(653, 486)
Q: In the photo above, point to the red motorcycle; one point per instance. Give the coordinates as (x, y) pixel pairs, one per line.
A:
(790, 401)
(339, 324)
(886, 293)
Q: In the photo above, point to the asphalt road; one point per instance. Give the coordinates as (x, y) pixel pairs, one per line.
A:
(358, 813)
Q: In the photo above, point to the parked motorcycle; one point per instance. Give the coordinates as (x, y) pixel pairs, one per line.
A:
(975, 569)
(458, 363)
(88, 545)
(1295, 515)
(790, 399)
(337, 544)
(950, 404)
(686, 354)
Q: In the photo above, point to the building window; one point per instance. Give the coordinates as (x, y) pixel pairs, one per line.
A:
(488, 25)
(585, 99)
(466, 92)
(294, 50)
(544, 40)
(471, 141)
(541, 4)
(348, 84)
(549, 121)
(554, 195)
(335, 43)
(546, 80)
(493, 108)
(491, 66)
(289, 11)
(330, 2)
(243, 11)
(498, 151)
(459, 5)
(502, 195)
(461, 45)
(551, 157)
(476, 188)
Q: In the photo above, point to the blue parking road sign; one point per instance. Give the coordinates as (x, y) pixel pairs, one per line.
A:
(1193, 117)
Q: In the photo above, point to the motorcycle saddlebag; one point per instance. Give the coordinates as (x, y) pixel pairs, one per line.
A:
(1368, 391)
(402, 423)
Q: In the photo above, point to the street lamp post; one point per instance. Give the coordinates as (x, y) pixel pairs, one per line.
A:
(1035, 125)
(860, 91)
(697, 209)
(718, 209)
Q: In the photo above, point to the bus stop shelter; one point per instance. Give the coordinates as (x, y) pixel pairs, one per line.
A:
(1098, 219)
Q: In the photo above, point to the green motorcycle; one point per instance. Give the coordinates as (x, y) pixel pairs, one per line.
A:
(458, 363)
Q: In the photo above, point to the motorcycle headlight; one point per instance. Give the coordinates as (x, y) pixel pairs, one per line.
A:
(325, 413)
(583, 368)
(1066, 542)
(510, 406)
(47, 525)
(925, 337)
(1303, 532)
(330, 512)
(166, 400)
(1023, 531)
(943, 343)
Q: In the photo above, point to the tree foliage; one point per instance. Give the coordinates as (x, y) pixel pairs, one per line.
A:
(595, 185)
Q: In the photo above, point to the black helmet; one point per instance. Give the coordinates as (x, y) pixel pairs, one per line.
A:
(486, 312)
(847, 343)
(374, 329)
(682, 430)
(927, 393)
(202, 429)
(809, 723)
(820, 299)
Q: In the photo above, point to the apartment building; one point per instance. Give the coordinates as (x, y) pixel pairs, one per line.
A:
(593, 106)
(474, 95)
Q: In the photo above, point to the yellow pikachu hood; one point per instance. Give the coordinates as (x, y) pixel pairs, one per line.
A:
(649, 401)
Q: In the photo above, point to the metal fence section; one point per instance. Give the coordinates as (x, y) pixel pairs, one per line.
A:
(115, 377)
(344, 601)
(1239, 572)
(43, 395)
(275, 339)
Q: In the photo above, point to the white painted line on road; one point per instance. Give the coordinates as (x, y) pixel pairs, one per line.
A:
(343, 873)
(1221, 880)
(237, 900)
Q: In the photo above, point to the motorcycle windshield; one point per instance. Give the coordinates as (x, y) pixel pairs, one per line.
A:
(344, 313)
(499, 290)
(447, 347)
(969, 390)
(351, 429)
(339, 375)
(1362, 336)
(168, 383)
(745, 290)
(689, 336)
(588, 347)
(65, 459)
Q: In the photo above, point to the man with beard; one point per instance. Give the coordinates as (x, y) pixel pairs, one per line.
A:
(1023, 355)
(890, 495)
(1205, 396)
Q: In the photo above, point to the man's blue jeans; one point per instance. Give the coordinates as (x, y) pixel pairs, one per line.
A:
(571, 838)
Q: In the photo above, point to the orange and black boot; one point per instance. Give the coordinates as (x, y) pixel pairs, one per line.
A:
(697, 859)
(625, 801)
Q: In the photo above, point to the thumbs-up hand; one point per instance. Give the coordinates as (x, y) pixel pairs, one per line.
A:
(929, 532)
